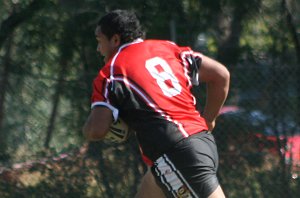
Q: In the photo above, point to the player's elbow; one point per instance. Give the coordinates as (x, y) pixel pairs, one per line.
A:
(214, 72)
(221, 71)
(225, 76)
(226, 73)
(221, 77)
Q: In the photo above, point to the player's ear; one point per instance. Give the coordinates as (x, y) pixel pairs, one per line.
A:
(116, 39)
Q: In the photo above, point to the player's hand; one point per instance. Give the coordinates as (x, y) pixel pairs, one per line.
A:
(211, 125)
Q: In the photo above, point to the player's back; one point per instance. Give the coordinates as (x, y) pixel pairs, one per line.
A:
(156, 98)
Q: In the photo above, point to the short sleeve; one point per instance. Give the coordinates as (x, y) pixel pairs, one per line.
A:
(100, 95)
(192, 60)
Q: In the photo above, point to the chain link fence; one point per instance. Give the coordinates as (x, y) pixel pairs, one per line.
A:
(257, 133)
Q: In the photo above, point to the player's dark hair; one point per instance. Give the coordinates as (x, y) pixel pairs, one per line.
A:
(122, 22)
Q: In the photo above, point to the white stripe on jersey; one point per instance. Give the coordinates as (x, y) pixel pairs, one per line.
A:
(152, 105)
(185, 64)
(186, 70)
(139, 40)
(106, 90)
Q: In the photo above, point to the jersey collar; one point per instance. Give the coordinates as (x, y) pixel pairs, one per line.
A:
(138, 40)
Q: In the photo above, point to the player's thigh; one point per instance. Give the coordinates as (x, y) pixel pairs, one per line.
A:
(148, 188)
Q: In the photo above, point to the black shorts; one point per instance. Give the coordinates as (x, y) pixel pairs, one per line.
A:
(190, 168)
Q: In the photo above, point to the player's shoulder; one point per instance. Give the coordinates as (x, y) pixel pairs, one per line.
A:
(160, 42)
(169, 44)
(163, 45)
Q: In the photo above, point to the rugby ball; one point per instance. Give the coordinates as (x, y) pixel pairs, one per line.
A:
(118, 132)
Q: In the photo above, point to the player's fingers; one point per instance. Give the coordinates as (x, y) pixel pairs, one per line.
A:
(210, 125)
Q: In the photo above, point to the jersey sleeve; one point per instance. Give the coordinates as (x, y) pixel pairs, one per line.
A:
(100, 95)
(192, 60)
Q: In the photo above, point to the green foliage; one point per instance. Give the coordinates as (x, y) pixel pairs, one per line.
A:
(59, 35)
(97, 171)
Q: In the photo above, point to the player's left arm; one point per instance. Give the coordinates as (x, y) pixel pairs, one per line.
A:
(98, 123)
(217, 78)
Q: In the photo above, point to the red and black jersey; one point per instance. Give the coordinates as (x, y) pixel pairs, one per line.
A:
(147, 84)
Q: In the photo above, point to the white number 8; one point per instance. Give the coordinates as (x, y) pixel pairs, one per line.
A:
(165, 79)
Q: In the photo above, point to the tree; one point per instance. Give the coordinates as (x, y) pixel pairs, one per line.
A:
(3, 87)
(48, 61)
(293, 32)
(17, 17)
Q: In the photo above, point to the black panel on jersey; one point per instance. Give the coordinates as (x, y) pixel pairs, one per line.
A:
(155, 134)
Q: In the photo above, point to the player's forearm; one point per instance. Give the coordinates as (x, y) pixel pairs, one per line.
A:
(97, 124)
(217, 91)
(215, 99)
(91, 132)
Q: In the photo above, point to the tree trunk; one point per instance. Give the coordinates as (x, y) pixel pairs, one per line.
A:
(6, 29)
(58, 90)
(230, 29)
(3, 87)
(18, 17)
(293, 32)
(292, 28)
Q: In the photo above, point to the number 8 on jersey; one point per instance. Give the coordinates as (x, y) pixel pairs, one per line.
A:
(165, 79)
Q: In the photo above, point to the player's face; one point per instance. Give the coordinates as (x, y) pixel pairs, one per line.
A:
(106, 47)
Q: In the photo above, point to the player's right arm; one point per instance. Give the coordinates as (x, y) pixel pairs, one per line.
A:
(217, 78)
(102, 113)
(98, 123)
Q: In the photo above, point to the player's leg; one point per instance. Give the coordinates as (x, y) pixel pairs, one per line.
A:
(218, 193)
(149, 188)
